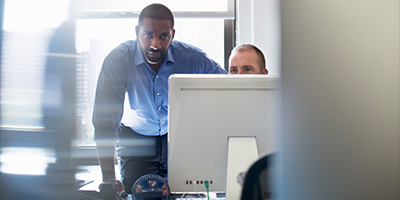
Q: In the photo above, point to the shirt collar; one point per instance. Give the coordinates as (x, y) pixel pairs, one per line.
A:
(170, 56)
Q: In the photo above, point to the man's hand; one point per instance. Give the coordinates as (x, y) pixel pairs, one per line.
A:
(117, 187)
(106, 160)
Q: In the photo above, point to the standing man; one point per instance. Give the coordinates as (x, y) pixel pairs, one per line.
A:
(140, 69)
(247, 59)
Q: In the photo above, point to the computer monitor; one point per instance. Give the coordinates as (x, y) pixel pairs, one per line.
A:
(207, 113)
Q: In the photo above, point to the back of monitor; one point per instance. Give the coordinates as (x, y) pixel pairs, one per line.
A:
(206, 110)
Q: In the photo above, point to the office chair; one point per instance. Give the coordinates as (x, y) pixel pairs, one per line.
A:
(258, 180)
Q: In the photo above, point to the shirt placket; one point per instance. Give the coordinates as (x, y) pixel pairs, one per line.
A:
(158, 96)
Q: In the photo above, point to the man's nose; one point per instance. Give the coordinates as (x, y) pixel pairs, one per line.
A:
(155, 44)
(240, 71)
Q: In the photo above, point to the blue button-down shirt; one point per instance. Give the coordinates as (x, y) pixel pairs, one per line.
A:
(125, 73)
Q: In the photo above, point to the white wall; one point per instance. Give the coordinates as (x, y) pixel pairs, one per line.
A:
(258, 23)
(340, 76)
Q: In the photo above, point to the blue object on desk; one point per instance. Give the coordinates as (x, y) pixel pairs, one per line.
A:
(150, 186)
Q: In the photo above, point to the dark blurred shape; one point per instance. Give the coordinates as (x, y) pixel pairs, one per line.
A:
(59, 116)
(259, 180)
(59, 127)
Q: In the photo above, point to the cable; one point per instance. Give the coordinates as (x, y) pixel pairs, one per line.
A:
(206, 184)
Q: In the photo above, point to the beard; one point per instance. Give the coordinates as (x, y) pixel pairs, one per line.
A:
(154, 56)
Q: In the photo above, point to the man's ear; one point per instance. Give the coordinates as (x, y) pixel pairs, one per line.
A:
(265, 71)
(173, 33)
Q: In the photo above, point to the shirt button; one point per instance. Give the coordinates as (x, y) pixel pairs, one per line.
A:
(162, 122)
(156, 76)
(158, 94)
(159, 108)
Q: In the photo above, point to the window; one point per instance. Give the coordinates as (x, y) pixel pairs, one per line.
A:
(100, 28)
(27, 29)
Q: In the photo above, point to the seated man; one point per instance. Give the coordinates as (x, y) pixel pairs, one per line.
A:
(247, 59)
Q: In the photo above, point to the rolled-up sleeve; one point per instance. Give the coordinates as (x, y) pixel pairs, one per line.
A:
(110, 95)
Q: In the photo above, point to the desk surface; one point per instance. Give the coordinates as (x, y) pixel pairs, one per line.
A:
(92, 176)
(90, 173)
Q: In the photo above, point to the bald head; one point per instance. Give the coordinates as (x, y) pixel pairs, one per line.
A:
(247, 59)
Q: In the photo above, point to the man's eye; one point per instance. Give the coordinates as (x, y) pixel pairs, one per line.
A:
(165, 37)
(249, 69)
(233, 70)
(147, 35)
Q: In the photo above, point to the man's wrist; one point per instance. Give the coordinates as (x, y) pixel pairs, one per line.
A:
(109, 178)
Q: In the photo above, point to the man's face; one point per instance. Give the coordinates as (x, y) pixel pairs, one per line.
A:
(154, 38)
(245, 62)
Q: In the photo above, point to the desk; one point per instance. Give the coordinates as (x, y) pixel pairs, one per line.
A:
(92, 173)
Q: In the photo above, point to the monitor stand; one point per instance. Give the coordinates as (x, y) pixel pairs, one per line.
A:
(242, 152)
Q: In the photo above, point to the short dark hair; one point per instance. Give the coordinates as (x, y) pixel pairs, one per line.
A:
(245, 47)
(156, 11)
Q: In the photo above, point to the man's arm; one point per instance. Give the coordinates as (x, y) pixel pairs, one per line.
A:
(107, 113)
(106, 157)
(105, 154)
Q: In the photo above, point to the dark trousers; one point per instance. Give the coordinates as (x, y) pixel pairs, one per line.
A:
(140, 155)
